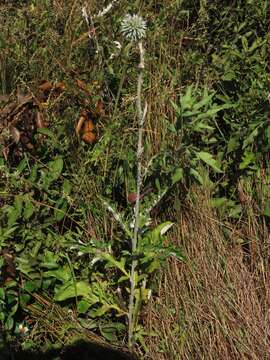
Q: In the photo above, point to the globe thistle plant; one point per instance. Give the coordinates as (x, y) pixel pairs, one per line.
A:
(133, 27)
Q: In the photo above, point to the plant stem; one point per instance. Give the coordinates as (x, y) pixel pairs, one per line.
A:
(141, 117)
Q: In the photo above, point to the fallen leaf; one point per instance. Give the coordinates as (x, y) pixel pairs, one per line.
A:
(46, 86)
(100, 108)
(60, 86)
(79, 125)
(85, 127)
(82, 85)
(88, 126)
(89, 137)
(4, 98)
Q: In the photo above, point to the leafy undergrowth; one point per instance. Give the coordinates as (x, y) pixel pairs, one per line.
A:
(215, 306)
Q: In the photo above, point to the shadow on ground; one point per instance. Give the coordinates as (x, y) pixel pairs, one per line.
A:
(78, 351)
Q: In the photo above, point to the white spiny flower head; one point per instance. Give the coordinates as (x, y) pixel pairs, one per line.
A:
(133, 27)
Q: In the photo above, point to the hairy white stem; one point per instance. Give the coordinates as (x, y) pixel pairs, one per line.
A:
(91, 28)
(141, 118)
(106, 9)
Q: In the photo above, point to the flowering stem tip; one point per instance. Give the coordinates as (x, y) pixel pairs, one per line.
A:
(133, 27)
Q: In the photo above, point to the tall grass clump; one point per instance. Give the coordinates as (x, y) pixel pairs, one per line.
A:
(215, 306)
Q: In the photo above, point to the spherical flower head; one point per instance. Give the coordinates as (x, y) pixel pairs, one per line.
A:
(133, 27)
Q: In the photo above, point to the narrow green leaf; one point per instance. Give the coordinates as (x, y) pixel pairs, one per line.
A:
(212, 112)
(209, 160)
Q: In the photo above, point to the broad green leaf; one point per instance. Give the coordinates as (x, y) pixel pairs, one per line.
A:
(60, 209)
(14, 214)
(209, 160)
(235, 211)
(9, 323)
(112, 262)
(28, 209)
(55, 168)
(22, 165)
(35, 250)
(266, 210)
(267, 132)
(196, 175)
(6, 233)
(187, 100)
(177, 176)
(49, 260)
(229, 76)
(32, 285)
(47, 132)
(218, 202)
(155, 236)
(233, 144)
(244, 43)
(106, 308)
(71, 290)
(67, 186)
(24, 299)
(251, 137)
(83, 306)
(2, 293)
(26, 266)
(247, 159)
(2, 316)
(205, 101)
(110, 331)
(33, 174)
(62, 274)
(257, 43)
(153, 266)
(18, 204)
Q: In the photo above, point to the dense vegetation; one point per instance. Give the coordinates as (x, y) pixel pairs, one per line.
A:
(69, 175)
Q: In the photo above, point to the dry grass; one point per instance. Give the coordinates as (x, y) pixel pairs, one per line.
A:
(54, 324)
(216, 305)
